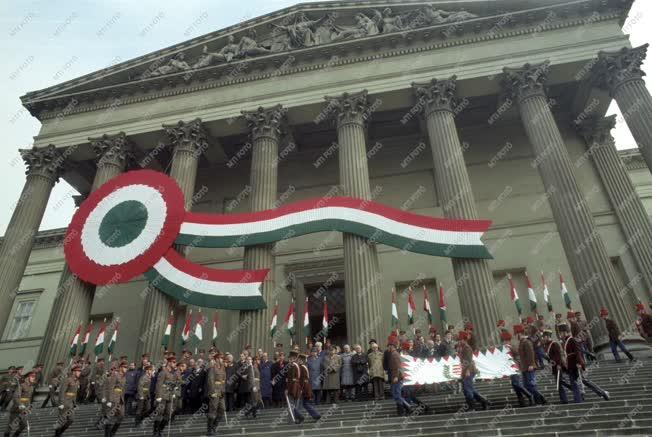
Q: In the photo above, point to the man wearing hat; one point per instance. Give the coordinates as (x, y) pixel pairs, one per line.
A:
(528, 362)
(558, 321)
(315, 368)
(165, 383)
(615, 336)
(293, 385)
(585, 336)
(20, 408)
(559, 366)
(6, 384)
(215, 384)
(468, 328)
(143, 395)
(97, 378)
(465, 354)
(644, 322)
(11, 386)
(67, 397)
(521, 392)
(305, 396)
(114, 391)
(395, 374)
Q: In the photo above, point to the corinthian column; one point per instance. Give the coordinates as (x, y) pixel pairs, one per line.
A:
(265, 128)
(586, 253)
(189, 142)
(43, 170)
(620, 73)
(361, 269)
(473, 276)
(633, 219)
(74, 298)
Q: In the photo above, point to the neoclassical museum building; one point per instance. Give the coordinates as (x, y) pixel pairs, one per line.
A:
(458, 109)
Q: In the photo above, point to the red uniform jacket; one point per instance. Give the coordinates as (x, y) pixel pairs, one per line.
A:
(294, 380)
(574, 354)
(305, 382)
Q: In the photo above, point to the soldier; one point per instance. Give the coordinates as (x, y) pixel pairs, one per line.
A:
(143, 398)
(67, 397)
(114, 389)
(95, 380)
(615, 337)
(644, 322)
(179, 385)
(84, 380)
(465, 354)
(165, 382)
(558, 321)
(293, 385)
(468, 328)
(20, 408)
(395, 374)
(215, 384)
(521, 392)
(5, 385)
(99, 388)
(559, 363)
(528, 362)
(305, 396)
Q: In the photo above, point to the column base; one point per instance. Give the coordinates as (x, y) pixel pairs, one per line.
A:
(634, 343)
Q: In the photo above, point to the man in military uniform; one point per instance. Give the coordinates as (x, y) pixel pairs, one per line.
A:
(559, 363)
(165, 383)
(305, 398)
(96, 380)
(12, 384)
(20, 408)
(293, 385)
(215, 384)
(6, 384)
(644, 322)
(84, 381)
(615, 336)
(528, 362)
(143, 398)
(114, 390)
(521, 392)
(558, 321)
(67, 397)
(465, 354)
(99, 388)
(180, 383)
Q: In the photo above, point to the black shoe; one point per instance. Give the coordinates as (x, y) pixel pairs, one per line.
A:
(107, 431)
(470, 405)
(483, 401)
(316, 418)
(299, 421)
(521, 401)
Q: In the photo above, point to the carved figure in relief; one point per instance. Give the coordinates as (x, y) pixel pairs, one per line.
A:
(364, 26)
(249, 47)
(174, 65)
(302, 33)
(226, 54)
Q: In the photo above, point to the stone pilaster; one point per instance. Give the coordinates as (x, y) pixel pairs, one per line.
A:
(473, 276)
(620, 73)
(74, 298)
(627, 205)
(189, 141)
(44, 166)
(265, 126)
(364, 315)
(585, 251)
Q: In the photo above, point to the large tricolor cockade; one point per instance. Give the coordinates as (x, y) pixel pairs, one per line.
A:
(129, 225)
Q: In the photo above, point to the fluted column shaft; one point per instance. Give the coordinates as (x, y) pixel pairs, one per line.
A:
(189, 142)
(364, 318)
(265, 126)
(43, 169)
(473, 276)
(620, 73)
(585, 251)
(74, 299)
(627, 205)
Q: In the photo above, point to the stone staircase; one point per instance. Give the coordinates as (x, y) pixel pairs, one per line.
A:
(629, 412)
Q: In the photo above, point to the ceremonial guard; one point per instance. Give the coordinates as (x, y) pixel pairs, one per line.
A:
(465, 354)
(615, 337)
(165, 382)
(521, 392)
(644, 322)
(468, 328)
(99, 387)
(84, 381)
(528, 362)
(179, 385)
(97, 377)
(54, 380)
(20, 409)
(10, 384)
(293, 387)
(114, 389)
(558, 321)
(559, 363)
(67, 397)
(305, 397)
(215, 385)
(143, 397)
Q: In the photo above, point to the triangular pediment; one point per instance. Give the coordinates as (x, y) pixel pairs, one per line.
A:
(292, 35)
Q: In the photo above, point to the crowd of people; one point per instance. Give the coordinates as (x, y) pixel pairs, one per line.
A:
(221, 384)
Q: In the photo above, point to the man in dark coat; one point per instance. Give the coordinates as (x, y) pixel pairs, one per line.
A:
(521, 392)
(396, 377)
(231, 385)
(131, 388)
(279, 374)
(644, 322)
(558, 359)
(360, 375)
(528, 363)
(265, 368)
(465, 354)
(615, 337)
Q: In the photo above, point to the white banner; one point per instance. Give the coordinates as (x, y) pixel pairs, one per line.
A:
(492, 364)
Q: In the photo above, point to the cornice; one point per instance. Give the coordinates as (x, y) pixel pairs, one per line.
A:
(46, 239)
(174, 85)
(632, 159)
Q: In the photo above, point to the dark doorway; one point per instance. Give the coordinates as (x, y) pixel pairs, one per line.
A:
(334, 293)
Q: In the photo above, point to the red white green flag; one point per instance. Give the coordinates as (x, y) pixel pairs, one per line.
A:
(564, 292)
(426, 305)
(114, 339)
(546, 293)
(324, 320)
(411, 307)
(185, 333)
(514, 295)
(215, 324)
(198, 335)
(274, 324)
(168, 331)
(289, 319)
(99, 340)
(75, 340)
(395, 321)
(87, 337)
(530, 294)
(306, 320)
(442, 305)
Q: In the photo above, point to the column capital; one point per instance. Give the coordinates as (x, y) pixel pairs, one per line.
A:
(266, 122)
(46, 162)
(115, 150)
(188, 136)
(527, 81)
(597, 130)
(436, 95)
(614, 69)
(349, 107)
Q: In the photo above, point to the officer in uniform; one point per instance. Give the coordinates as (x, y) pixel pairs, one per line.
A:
(12, 384)
(615, 340)
(96, 377)
(6, 384)
(293, 385)
(20, 408)
(521, 392)
(180, 382)
(99, 388)
(84, 382)
(142, 409)
(528, 362)
(165, 383)
(215, 384)
(465, 353)
(67, 400)
(644, 322)
(114, 390)
(559, 363)
(305, 399)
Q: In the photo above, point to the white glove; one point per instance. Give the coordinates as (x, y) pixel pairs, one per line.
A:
(103, 400)
(93, 383)
(142, 398)
(159, 399)
(109, 404)
(61, 407)
(49, 386)
(22, 407)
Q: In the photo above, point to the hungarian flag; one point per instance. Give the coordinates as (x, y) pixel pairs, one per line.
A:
(215, 328)
(273, 325)
(564, 292)
(411, 307)
(442, 305)
(168, 331)
(530, 294)
(306, 320)
(114, 339)
(289, 319)
(514, 295)
(426, 305)
(185, 334)
(198, 335)
(324, 320)
(99, 341)
(75, 340)
(394, 311)
(87, 337)
(546, 294)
